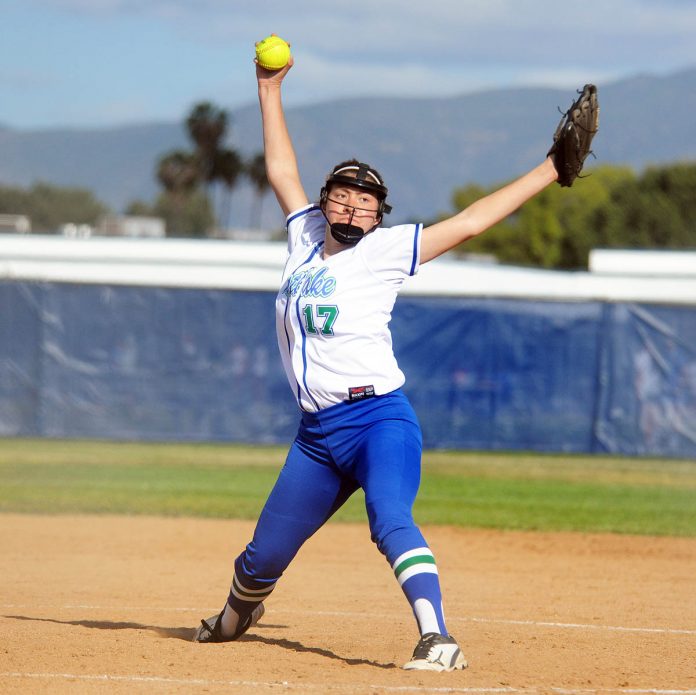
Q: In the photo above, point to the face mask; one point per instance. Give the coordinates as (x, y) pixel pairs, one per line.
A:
(345, 232)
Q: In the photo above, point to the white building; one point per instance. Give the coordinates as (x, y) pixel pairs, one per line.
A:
(18, 224)
(134, 226)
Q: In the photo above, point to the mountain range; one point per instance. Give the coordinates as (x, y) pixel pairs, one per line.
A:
(424, 147)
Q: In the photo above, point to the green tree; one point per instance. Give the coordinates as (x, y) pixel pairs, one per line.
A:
(190, 216)
(677, 181)
(14, 201)
(48, 207)
(179, 175)
(611, 207)
(654, 210)
(544, 233)
(139, 208)
(578, 209)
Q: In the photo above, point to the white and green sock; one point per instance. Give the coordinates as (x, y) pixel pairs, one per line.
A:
(416, 572)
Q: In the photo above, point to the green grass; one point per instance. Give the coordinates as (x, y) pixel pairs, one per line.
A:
(508, 491)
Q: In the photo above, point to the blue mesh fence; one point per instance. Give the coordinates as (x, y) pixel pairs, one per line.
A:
(148, 363)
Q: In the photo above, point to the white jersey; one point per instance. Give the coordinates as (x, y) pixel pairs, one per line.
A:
(332, 315)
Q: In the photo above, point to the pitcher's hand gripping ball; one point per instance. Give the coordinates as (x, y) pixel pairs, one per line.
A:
(573, 137)
(272, 53)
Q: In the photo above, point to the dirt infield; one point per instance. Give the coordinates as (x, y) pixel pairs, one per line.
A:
(94, 604)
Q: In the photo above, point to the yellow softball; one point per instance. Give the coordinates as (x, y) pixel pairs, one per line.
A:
(272, 52)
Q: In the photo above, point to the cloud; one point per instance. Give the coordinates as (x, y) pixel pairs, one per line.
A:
(432, 21)
(433, 48)
(496, 31)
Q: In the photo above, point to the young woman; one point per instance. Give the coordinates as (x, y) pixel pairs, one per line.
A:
(357, 429)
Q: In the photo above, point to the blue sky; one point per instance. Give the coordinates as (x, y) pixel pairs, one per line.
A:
(98, 63)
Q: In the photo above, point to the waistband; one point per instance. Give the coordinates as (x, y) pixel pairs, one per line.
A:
(395, 401)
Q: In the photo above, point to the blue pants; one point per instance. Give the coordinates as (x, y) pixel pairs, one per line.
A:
(373, 444)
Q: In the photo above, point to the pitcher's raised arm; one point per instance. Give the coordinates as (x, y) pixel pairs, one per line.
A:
(281, 161)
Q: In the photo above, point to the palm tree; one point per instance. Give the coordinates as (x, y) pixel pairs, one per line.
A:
(227, 167)
(255, 169)
(207, 125)
(179, 174)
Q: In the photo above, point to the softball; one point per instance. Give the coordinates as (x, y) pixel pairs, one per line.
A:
(272, 53)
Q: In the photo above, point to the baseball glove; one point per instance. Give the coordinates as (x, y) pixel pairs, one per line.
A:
(573, 137)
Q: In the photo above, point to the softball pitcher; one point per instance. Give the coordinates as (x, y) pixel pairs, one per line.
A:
(357, 429)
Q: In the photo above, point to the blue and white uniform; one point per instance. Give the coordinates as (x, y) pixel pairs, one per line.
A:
(358, 430)
(332, 315)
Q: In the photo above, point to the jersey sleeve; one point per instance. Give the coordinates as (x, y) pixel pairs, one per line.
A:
(305, 227)
(393, 252)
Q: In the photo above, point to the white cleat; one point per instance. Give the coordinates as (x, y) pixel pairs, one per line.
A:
(436, 653)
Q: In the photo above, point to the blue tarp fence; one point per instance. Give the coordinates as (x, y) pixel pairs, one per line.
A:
(143, 363)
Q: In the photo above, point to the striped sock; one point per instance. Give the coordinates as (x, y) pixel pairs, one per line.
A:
(416, 572)
(245, 592)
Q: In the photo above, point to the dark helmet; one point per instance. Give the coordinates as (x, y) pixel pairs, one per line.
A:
(358, 175)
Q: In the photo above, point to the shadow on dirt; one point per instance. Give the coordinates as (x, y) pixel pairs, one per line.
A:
(299, 647)
(183, 633)
(187, 633)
